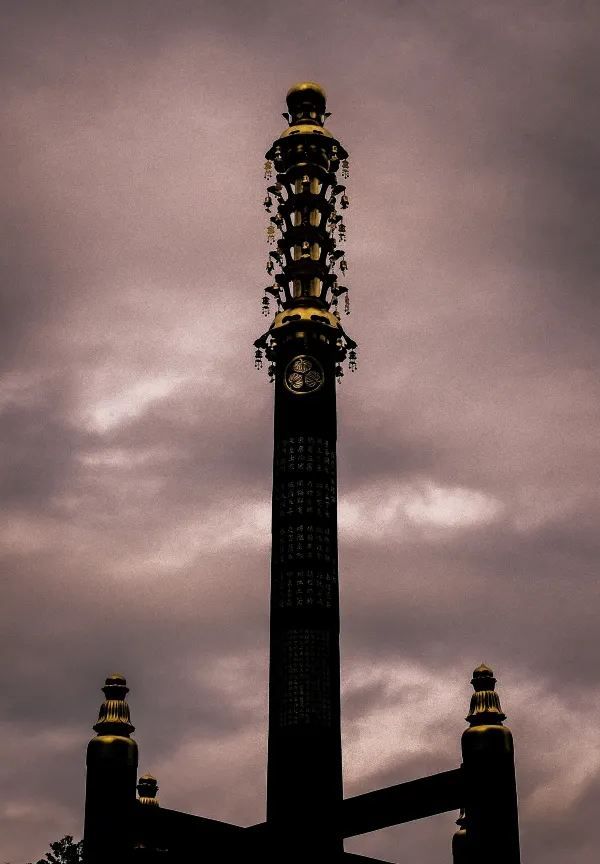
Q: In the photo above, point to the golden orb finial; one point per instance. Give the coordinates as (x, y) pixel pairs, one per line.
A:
(113, 717)
(485, 706)
(306, 91)
(483, 678)
(306, 103)
(483, 669)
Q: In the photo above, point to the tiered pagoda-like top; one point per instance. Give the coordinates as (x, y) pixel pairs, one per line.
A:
(307, 227)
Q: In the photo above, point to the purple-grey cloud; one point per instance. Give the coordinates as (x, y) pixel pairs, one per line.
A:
(136, 437)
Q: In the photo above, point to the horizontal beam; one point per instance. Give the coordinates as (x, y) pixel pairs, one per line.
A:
(351, 858)
(176, 831)
(186, 822)
(372, 811)
(402, 803)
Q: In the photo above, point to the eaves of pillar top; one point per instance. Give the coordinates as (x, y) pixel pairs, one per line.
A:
(305, 230)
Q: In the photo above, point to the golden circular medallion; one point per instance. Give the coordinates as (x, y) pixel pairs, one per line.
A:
(303, 374)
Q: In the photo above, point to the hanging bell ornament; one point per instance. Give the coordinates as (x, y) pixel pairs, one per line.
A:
(352, 361)
(265, 305)
(277, 190)
(270, 267)
(347, 304)
(271, 371)
(342, 232)
(345, 169)
(343, 265)
(344, 202)
(258, 355)
(268, 203)
(270, 233)
(268, 170)
(339, 373)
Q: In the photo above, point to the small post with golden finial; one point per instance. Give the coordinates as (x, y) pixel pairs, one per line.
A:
(492, 826)
(147, 788)
(459, 841)
(145, 848)
(112, 759)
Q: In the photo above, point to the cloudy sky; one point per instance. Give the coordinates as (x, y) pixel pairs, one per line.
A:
(136, 435)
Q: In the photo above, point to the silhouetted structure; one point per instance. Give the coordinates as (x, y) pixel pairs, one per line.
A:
(112, 760)
(147, 789)
(307, 818)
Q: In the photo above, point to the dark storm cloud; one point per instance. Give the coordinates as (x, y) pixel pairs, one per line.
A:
(136, 437)
(38, 443)
(28, 282)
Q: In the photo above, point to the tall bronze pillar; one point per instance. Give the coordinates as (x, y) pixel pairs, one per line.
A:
(305, 347)
(492, 826)
(110, 796)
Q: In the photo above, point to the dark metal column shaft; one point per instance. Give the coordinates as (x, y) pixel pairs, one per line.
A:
(304, 766)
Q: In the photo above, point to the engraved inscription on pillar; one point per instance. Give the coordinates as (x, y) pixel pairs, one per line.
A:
(301, 542)
(306, 697)
(306, 453)
(307, 587)
(304, 548)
